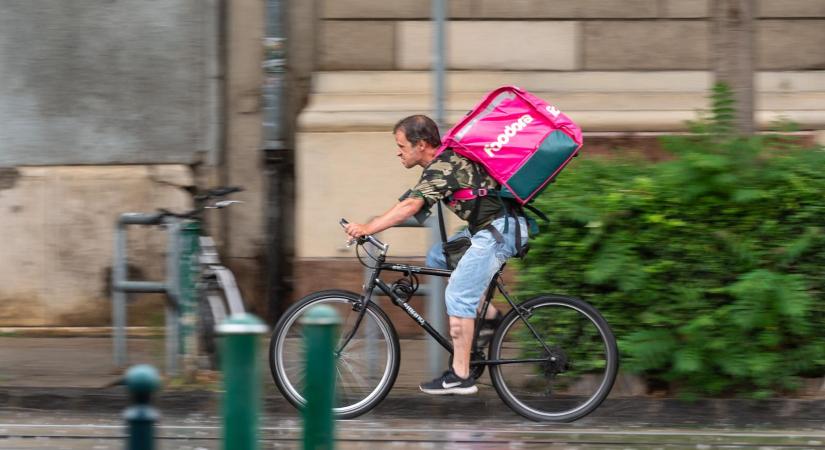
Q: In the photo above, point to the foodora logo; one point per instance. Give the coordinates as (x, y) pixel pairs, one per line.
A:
(509, 131)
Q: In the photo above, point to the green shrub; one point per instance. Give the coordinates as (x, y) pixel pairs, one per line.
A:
(710, 267)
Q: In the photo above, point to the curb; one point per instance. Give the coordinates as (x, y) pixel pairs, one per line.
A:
(626, 411)
(86, 332)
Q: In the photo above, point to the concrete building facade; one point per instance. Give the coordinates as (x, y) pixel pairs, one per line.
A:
(134, 98)
(623, 69)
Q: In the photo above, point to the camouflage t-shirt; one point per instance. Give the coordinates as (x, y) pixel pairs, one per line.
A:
(449, 172)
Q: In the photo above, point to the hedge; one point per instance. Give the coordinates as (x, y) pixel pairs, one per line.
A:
(710, 266)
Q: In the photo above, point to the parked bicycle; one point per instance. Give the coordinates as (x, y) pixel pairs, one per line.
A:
(551, 358)
(217, 292)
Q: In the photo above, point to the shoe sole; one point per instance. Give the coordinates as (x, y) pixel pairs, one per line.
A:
(456, 390)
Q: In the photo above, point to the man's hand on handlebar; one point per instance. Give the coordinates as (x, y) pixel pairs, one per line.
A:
(356, 230)
(358, 234)
(353, 230)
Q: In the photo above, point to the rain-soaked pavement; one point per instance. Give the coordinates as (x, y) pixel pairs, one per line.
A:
(57, 394)
(407, 420)
(37, 429)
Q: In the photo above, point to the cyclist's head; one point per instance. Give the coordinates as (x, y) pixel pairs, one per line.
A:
(419, 128)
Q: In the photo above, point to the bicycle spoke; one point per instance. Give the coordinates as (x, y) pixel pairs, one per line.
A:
(365, 367)
(571, 375)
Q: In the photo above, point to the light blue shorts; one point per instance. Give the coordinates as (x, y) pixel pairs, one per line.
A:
(477, 267)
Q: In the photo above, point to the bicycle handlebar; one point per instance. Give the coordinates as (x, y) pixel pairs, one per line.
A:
(217, 192)
(366, 238)
(201, 199)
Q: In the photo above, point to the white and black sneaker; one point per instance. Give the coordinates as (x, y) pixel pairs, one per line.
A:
(449, 383)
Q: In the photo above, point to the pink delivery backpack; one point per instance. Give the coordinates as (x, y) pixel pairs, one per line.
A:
(522, 141)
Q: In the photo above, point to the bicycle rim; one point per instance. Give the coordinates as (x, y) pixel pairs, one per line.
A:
(365, 368)
(568, 376)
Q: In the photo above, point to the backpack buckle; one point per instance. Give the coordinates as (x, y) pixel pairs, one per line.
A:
(482, 192)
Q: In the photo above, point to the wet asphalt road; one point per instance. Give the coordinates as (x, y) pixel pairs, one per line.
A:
(32, 429)
(407, 421)
(57, 394)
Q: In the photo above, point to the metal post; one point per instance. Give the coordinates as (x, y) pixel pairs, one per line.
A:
(321, 326)
(239, 363)
(277, 158)
(141, 380)
(172, 330)
(435, 305)
(119, 298)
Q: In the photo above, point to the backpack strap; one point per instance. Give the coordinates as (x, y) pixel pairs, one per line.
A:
(537, 212)
(443, 231)
(465, 194)
(441, 226)
(470, 194)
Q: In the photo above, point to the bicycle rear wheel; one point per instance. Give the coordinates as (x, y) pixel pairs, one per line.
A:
(557, 363)
(366, 366)
(211, 312)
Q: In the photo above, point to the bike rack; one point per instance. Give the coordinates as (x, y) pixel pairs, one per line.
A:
(121, 286)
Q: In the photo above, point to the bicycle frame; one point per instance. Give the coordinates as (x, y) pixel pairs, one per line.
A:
(374, 281)
(211, 268)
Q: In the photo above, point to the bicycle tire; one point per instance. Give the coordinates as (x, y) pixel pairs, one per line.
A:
(354, 393)
(575, 333)
(207, 321)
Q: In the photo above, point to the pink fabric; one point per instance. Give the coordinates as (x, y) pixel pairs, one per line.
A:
(505, 129)
(464, 194)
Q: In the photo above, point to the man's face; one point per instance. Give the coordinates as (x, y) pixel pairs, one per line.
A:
(410, 155)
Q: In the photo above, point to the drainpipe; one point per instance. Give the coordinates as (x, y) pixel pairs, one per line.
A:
(277, 159)
(435, 300)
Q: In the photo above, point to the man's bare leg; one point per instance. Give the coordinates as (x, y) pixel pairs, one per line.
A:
(491, 309)
(491, 312)
(461, 331)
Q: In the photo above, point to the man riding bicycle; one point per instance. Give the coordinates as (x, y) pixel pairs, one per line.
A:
(493, 239)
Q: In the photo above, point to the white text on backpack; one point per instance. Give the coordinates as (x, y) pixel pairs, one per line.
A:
(509, 131)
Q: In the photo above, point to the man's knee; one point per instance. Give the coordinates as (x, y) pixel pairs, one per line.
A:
(455, 329)
(457, 306)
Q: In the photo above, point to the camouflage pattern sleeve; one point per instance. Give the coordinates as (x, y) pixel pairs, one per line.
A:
(446, 174)
(436, 182)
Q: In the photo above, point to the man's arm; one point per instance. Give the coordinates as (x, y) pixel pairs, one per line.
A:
(402, 211)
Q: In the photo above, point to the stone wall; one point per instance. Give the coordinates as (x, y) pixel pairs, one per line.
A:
(560, 35)
(103, 82)
(184, 101)
(59, 225)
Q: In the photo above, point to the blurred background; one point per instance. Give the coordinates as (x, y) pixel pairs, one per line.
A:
(106, 105)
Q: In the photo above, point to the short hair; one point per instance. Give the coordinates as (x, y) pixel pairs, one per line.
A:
(419, 128)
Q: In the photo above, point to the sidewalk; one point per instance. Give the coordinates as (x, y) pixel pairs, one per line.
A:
(77, 373)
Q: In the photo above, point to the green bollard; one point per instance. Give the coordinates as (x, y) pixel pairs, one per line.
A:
(188, 271)
(141, 380)
(320, 334)
(241, 380)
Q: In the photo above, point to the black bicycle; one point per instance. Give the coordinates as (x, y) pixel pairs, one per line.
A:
(551, 358)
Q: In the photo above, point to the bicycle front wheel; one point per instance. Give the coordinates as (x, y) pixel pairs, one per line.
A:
(557, 359)
(366, 360)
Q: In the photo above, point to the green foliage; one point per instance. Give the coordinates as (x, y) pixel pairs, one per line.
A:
(709, 267)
